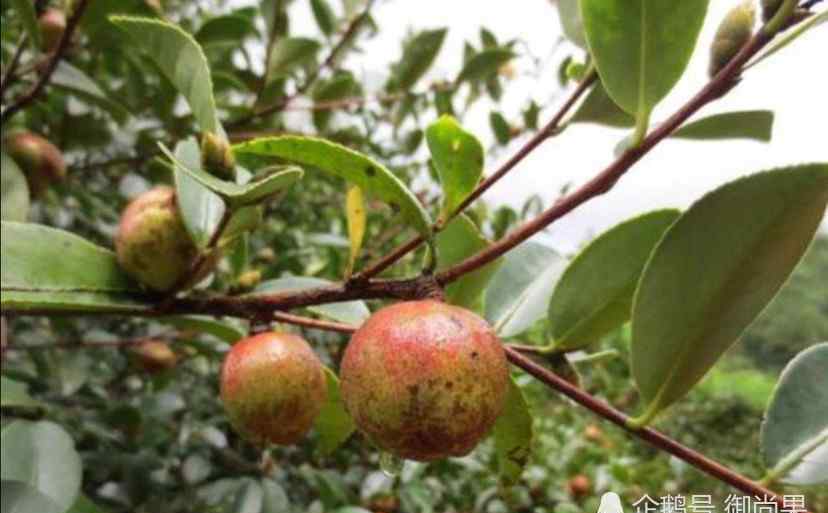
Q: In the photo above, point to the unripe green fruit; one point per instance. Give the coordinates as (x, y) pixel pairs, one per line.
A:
(424, 380)
(154, 356)
(217, 156)
(41, 161)
(272, 387)
(734, 31)
(52, 26)
(152, 244)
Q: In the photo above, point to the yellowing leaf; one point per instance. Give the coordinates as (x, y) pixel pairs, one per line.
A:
(355, 211)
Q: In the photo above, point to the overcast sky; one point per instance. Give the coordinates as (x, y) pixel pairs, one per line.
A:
(794, 84)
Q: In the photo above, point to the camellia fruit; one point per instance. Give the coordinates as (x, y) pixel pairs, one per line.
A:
(52, 26)
(273, 387)
(152, 244)
(424, 380)
(41, 161)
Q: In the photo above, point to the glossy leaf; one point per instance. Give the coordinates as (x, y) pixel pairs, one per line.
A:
(44, 267)
(324, 16)
(290, 53)
(25, 9)
(599, 108)
(225, 29)
(519, 293)
(748, 124)
(641, 47)
(795, 430)
(714, 271)
(351, 312)
(19, 497)
(356, 168)
(458, 158)
(15, 191)
(14, 394)
(459, 240)
(484, 64)
(43, 456)
(355, 214)
(182, 61)
(76, 82)
(418, 55)
(201, 209)
(239, 195)
(573, 27)
(595, 293)
(333, 424)
(513, 435)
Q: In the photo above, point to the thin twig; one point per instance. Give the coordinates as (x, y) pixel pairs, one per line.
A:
(15, 60)
(307, 322)
(311, 79)
(649, 435)
(545, 133)
(51, 65)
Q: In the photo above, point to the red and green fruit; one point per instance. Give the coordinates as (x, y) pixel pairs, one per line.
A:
(272, 387)
(424, 380)
(41, 161)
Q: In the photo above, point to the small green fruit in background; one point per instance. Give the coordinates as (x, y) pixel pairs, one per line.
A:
(152, 244)
(424, 380)
(272, 387)
(41, 161)
(52, 26)
(217, 156)
(734, 31)
(154, 356)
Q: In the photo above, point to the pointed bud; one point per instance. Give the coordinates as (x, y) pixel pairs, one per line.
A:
(217, 156)
(735, 30)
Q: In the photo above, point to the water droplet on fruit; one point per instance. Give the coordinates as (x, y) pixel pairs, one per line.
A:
(391, 465)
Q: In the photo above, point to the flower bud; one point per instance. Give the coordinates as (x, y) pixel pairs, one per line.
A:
(217, 156)
(734, 31)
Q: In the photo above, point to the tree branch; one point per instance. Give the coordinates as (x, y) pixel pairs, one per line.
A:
(15, 60)
(649, 435)
(307, 322)
(545, 133)
(350, 32)
(51, 65)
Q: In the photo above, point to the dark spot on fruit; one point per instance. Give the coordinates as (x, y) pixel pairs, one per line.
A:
(475, 355)
(457, 323)
(449, 384)
(394, 207)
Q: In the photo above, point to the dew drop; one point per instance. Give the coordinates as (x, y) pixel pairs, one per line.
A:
(391, 465)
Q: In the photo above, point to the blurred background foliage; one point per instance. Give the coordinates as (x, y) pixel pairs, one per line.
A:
(159, 441)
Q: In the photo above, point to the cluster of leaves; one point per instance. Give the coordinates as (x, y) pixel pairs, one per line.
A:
(690, 282)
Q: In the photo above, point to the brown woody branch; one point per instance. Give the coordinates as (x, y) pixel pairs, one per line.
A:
(279, 106)
(8, 76)
(51, 65)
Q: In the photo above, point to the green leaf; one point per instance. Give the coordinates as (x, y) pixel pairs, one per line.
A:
(748, 124)
(519, 293)
(351, 312)
(274, 498)
(356, 217)
(333, 424)
(289, 54)
(595, 293)
(226, 29)
(714, 271)
(44, 267)
(513, 435)
(641, 47)
(339, 87)
(249, 498)
(84, 505)
(358, 169)
(484, 64)
(419, 54)
(791, 35)
(76, 82)
(201, 209)
(15, 191)
(14, 394)
(182, 61)
(500, 127)
(459, 240)
(226, 330)
(19, 497)
(26, 10)
(795, 430)
(43, 456)
(324, 16)
(599, 108)
(458, 158)
(239, 195)
(571, 23)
